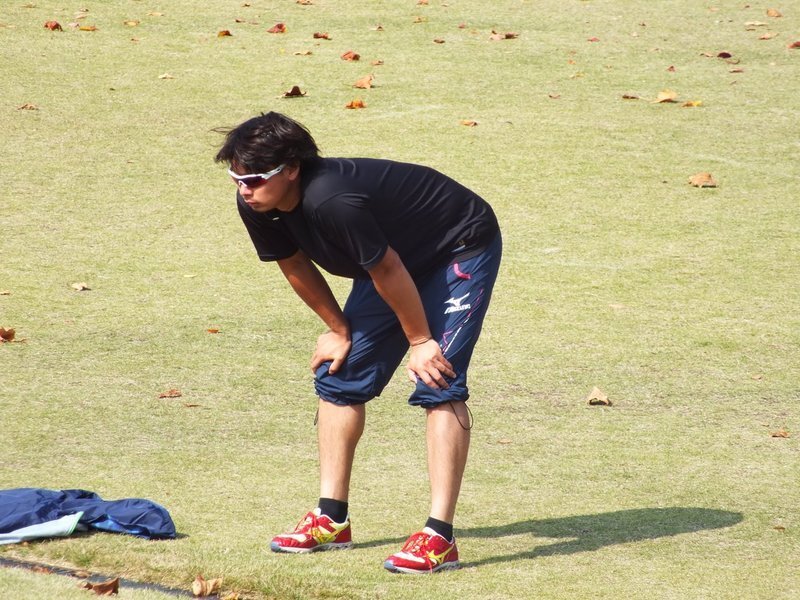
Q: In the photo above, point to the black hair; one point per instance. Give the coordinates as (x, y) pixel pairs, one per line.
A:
(266, 141)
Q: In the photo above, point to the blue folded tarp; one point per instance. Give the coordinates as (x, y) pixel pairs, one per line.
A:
(28, 513)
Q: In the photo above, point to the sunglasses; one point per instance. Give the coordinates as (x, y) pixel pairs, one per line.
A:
(253, 180)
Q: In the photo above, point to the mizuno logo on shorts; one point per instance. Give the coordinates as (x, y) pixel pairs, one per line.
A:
(456, 305)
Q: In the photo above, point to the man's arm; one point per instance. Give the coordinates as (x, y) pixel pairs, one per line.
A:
(310, 285)
(397, 288)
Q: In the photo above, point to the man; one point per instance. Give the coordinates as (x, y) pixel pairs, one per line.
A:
(423, 252)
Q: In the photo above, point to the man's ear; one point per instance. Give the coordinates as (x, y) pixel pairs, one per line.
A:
(292, 171)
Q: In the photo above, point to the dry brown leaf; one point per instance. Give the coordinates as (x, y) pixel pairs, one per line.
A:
(768, 36)
(757, 377)
(794, 45)
(357, 103)
(203, 587)
(774, 13)
(597, 398)
(364, 83)
(630, 97)
(703, 180)
(5, 292)
(593, 39)
(671, 68)
(304, 53)
(105, 588)
(28, 106)
(419, 20)
(554, 96)
(80, 287)
(376, 63)
(378, 27)
(692, 103)
(351, 56)
(305, 2)
(131, 22)
(171, 393)
(6, 335)
(212, 330)
(666, 96)
(189, 405)
(504, 441)
(53, 26)
(496, 37)
(736, 70)
(469, 123)
(322, 35)
(438, 41)
(781, 433)
(224, 33)
(780, 528)
(295, 92)
(277, 28)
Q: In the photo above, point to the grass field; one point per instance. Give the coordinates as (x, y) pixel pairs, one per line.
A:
(680, 303)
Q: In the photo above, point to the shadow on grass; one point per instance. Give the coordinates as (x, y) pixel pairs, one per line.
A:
(585, 533)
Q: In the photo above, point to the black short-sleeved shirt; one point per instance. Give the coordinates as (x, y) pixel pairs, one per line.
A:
(352, 209)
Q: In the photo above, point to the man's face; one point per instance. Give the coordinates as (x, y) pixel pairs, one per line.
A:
(278, 189)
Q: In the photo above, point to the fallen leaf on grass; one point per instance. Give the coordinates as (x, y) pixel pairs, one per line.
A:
(438, 41)
(87, 28)
(378, 27)
(781, 433)
(419, 20)
(351, 56)
(736, 70)
(203, 587)
(364, 83)
(671, 68)
(504, 441)
(774, 12)
(166, 76)
(5, 292)
(750, 25)
(422, 2)
(171, 393)
(80, 287)
(794, 45)
(469, 123)
(153, 13)
(593, 39)
(757, 377)
(28, 106)
(304, 53)
(597, 398)
(304, 2)
(376, 63)
(768, 36)
(212, 330)
(131, 23)
(105, 588)
(294, 92)
(7, 335)
(554, 96)
(703, 180)
(53, 26)
(224, 33)
(666, 96)
(189, 405)
(277, 28)
(322, 35)
(357, 103)
(780, 528)
(496, 37)
(692, 103)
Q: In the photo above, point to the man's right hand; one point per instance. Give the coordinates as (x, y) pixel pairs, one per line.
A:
(331, 346)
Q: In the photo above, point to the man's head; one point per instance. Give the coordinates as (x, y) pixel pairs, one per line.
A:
(267, 141)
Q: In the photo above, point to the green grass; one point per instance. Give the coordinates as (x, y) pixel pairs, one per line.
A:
(680, 303)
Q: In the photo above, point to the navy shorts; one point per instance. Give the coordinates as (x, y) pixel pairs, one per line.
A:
(455, 299)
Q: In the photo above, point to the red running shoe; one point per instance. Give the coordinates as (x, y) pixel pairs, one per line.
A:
(314, 532)
(424, 552)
